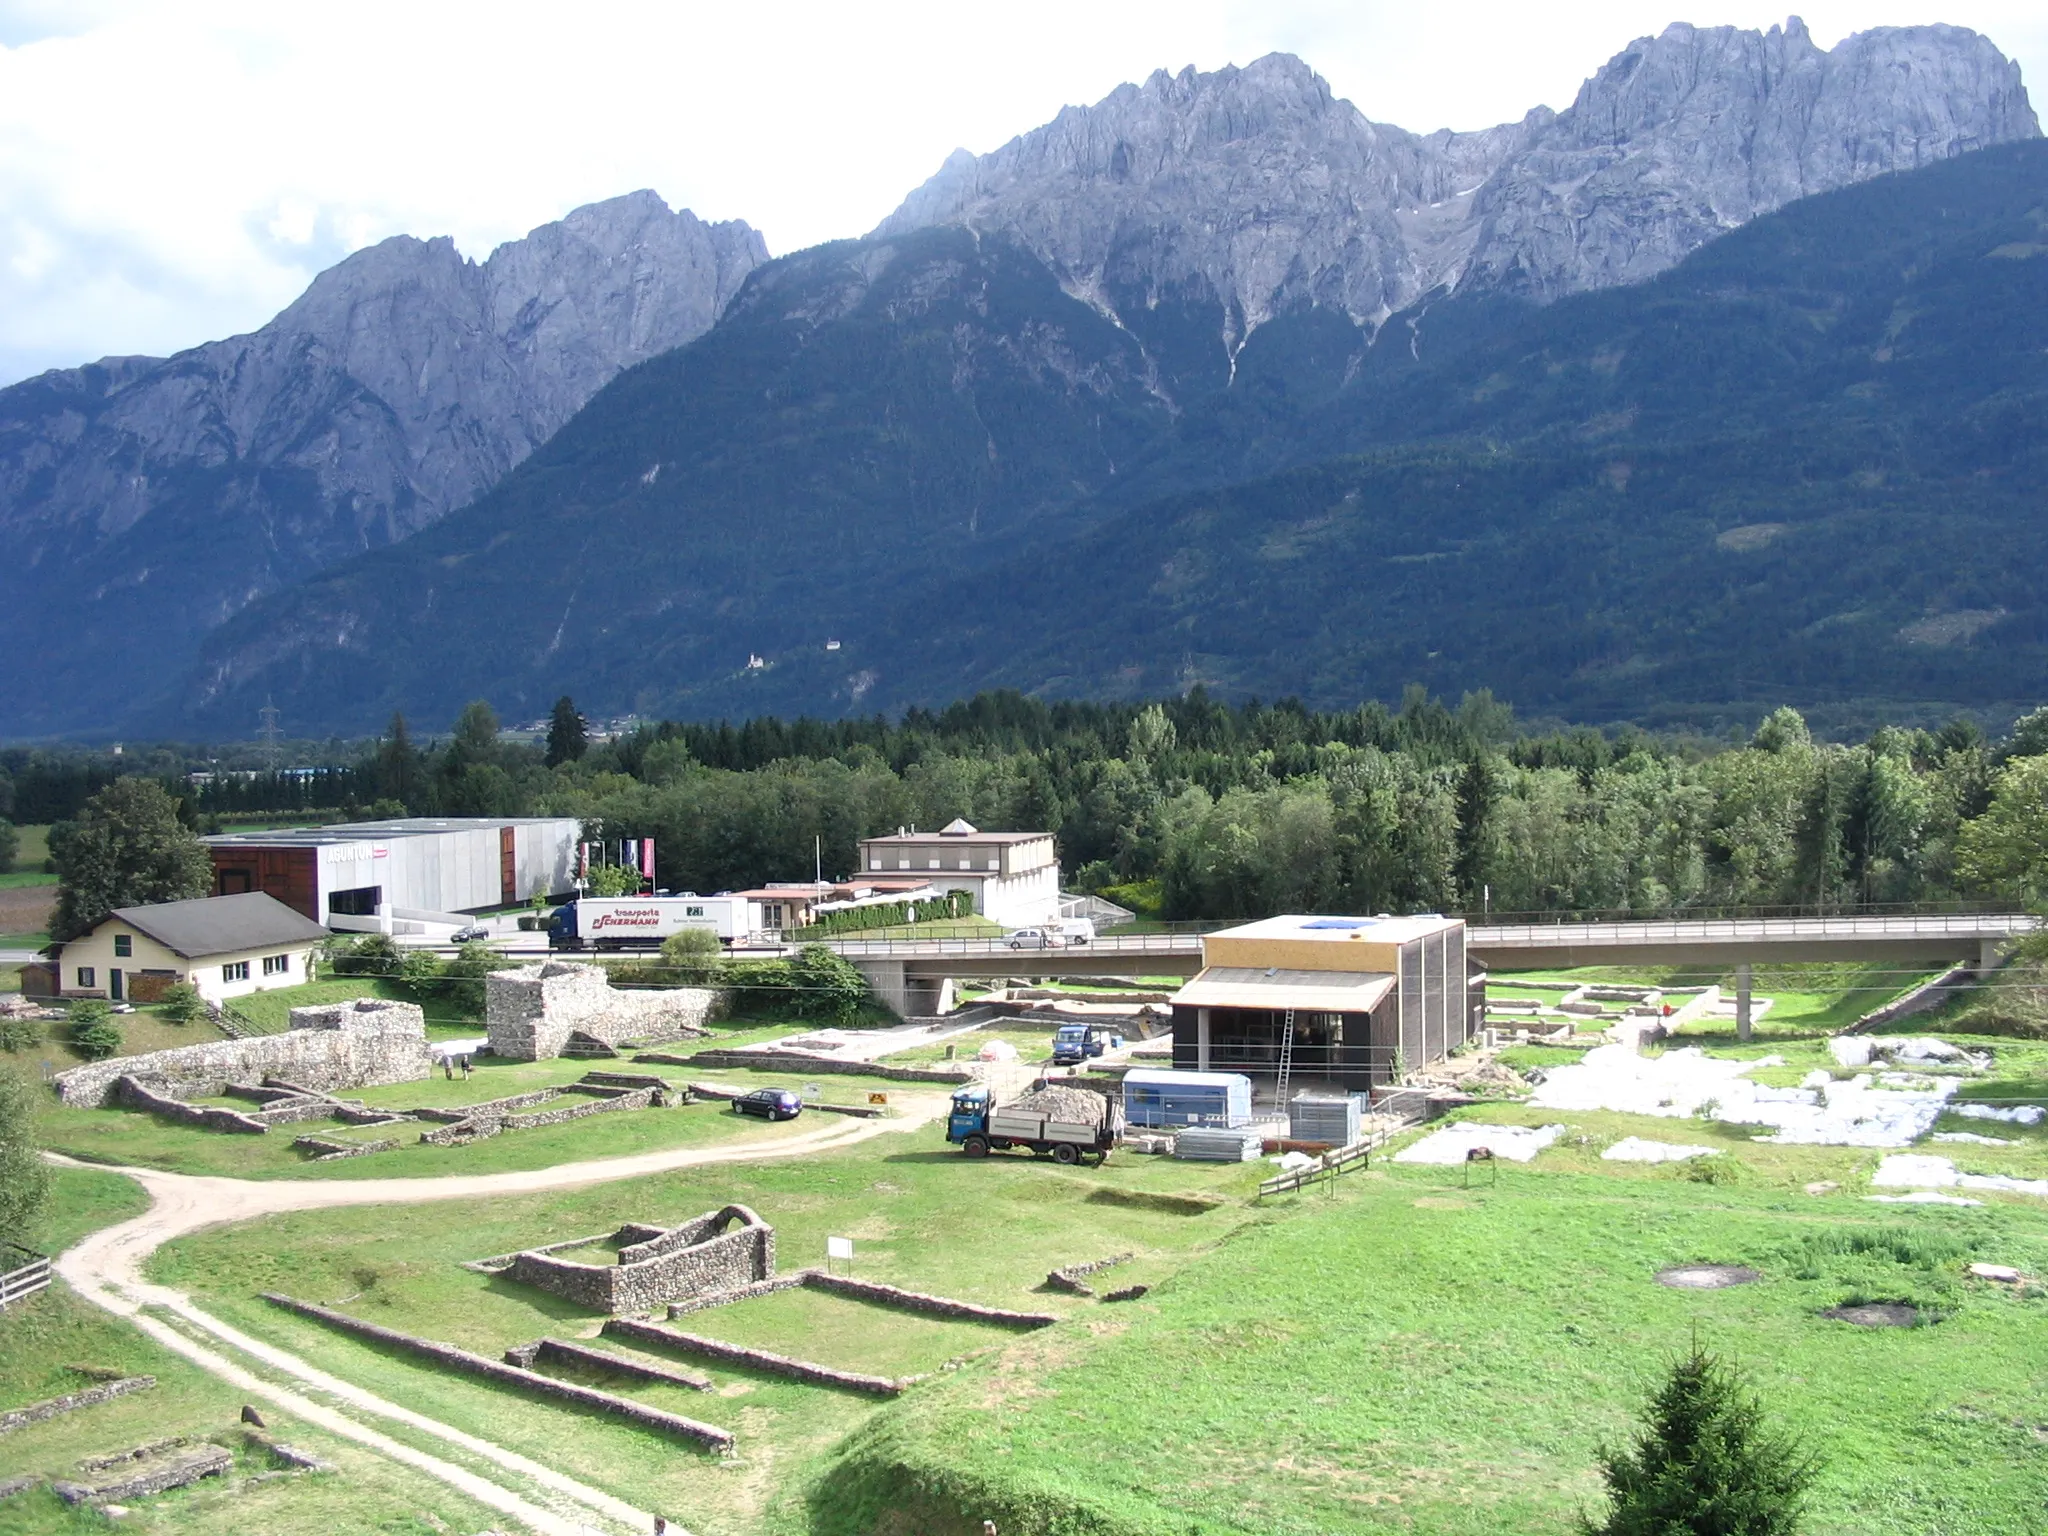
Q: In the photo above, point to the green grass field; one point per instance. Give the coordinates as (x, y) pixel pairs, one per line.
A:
(919, 1213)
(55, 1343)
(118, 1136)
(1416, 1356)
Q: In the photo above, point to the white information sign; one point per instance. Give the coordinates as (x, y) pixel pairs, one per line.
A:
(838, 1247)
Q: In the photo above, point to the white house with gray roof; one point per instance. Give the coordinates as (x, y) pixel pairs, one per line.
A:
(226, 946)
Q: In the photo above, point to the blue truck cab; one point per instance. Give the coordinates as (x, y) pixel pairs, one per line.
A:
(969, 1115)
(1076, 1043)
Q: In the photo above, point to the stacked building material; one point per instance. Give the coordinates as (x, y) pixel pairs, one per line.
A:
(1217, 1144)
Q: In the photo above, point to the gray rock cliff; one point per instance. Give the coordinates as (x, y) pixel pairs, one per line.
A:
(404, 382)
(1258, 189)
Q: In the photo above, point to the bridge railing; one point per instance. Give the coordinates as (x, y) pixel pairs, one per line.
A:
(1102, 943)
(1732, 912)
(1655, 930)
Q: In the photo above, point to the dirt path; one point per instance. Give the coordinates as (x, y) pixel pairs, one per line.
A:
(106, 1268)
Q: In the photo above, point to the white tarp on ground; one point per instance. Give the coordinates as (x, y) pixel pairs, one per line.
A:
(1514, 1143)
(1682, 1083)
(2024, 1114)
(1919, 1171)
(1633, 1149)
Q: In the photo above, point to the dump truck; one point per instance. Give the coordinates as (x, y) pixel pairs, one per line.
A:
(1065, 1124)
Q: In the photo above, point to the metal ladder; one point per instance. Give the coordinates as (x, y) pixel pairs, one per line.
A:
(1286, 1062)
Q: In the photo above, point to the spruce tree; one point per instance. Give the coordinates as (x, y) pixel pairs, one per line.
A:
(1705, 1463)
(568, 734)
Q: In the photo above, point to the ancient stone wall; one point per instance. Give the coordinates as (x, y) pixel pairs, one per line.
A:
(530, 1012)
(757, 1359)
(136, 1094)
(918, 1301)
(448, 1356)
(328, 1048)
(91, 1397)
(692, 1259)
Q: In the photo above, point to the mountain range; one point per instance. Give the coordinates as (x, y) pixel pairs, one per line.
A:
(1215, 381)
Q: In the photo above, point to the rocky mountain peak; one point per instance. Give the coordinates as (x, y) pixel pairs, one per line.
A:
(404, 382)
(1255, 190)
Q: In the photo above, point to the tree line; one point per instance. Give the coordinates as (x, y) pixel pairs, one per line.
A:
(1193, 808)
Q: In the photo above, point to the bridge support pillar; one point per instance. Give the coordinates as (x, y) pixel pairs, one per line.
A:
(886, 981)
(1988, 956)
(1742, 1003)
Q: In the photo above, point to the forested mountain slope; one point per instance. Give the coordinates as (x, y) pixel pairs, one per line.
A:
(1805, 464)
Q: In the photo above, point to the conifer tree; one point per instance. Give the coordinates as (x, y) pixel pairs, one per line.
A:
(1705, 1463)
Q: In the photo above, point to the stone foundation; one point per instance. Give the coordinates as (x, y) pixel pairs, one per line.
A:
(328, 1048)
(757, 1359)
(658, 1265)
(451, 1358)
(530, 1012)
(91, 1397)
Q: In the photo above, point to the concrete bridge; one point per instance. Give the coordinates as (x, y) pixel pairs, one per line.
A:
(906, 971)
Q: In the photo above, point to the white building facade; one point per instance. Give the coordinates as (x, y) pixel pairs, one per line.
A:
(1014, 877)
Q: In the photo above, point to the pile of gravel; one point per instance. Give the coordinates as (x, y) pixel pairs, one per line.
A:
(1056, 1103)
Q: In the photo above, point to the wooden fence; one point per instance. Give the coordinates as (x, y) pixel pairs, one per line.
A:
(1332, 1164)
(29, 1274)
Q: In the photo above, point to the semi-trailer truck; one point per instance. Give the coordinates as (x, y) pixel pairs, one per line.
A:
(616, 922)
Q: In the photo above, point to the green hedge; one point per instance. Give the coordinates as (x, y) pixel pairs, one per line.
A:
(893, 914)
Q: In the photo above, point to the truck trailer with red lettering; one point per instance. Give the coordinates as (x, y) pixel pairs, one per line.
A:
(642, 922)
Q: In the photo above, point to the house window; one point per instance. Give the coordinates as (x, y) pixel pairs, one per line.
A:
(903, 863)
(235, 971)
(967, 863)
(277, 965)
(931, 864)
(994, 863)
(124, 946)
(87, 976)
(874, 861)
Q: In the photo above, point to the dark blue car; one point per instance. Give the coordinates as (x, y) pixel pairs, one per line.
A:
(770, 1104)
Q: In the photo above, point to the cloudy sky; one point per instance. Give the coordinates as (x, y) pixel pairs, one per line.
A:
(170, 173)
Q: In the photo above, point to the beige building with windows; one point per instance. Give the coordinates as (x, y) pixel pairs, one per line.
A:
(225, 946)
(1014, 877)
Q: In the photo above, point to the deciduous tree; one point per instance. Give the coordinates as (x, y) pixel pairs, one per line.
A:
(126, 849)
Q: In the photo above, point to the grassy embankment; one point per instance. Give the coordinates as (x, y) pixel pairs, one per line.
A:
(56, 1343)
(1410, 1353)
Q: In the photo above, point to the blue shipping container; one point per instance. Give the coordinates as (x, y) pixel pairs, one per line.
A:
(1157, 1098)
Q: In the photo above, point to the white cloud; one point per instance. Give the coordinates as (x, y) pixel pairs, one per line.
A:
(172, 174)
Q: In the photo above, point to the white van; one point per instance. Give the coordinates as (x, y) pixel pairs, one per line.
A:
(1075, 930)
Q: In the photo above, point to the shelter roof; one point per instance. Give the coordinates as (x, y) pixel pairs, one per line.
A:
(1340, 930)
(1237, 986)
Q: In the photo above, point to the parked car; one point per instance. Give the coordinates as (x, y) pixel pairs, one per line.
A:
(470, 934)
(1037, 938)
(770, 1103)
